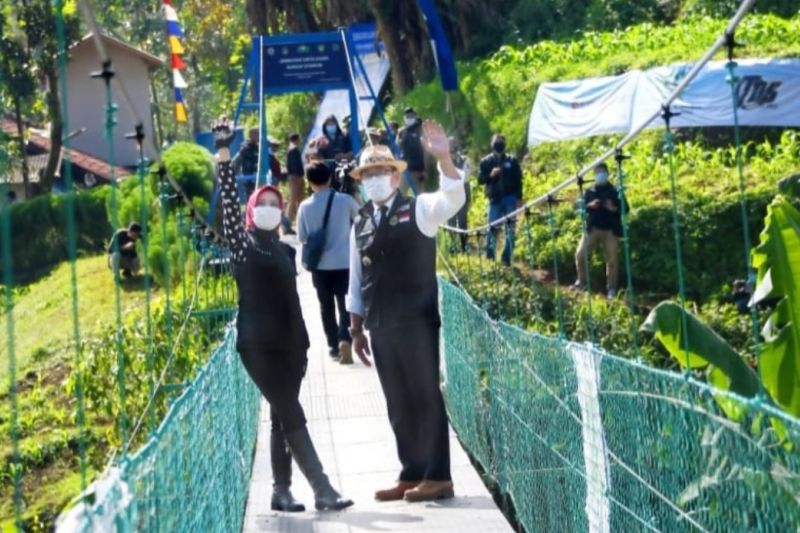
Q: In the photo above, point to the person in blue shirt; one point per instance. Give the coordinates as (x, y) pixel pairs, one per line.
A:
(332, 274)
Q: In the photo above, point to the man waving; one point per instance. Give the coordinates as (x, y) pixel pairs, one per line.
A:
(393, 293)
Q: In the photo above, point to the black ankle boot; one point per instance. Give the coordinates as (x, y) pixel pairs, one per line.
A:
(325, 496)
(282, 499)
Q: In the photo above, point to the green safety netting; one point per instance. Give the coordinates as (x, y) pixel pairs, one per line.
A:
(194, 473)
(582, 440)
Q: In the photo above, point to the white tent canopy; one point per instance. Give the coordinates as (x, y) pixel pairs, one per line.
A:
(768, 92)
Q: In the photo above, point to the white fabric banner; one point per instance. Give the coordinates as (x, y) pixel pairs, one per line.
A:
(768, 94)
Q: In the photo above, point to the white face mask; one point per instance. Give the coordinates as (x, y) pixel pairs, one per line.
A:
(601, 178)
(267, 217)
(379, 188)
(410, 121)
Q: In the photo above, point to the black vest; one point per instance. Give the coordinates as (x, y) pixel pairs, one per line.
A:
(398, 281)
(270, 316)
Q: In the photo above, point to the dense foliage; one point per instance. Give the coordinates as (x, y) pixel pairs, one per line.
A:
(43, 221)
(496, 93)
(50, 436)
(150, 201)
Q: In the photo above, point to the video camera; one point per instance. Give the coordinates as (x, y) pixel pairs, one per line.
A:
(342, 181)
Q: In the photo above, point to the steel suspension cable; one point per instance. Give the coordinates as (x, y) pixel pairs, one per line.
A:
(106, 74)
(551, 219)
(619, 157)
(586, 259)
(72, 245)
(669, 139)
(144, 217)
(751, 276)
(14, 462)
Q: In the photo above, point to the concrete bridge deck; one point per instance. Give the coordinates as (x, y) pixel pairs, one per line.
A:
(347, 419)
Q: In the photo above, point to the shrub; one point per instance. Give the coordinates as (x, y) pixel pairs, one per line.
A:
(192, 167)
(42, 221)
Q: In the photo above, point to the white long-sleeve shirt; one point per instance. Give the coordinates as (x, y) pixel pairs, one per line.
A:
(432, 210)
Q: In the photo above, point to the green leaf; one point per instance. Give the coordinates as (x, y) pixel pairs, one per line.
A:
(777, 259)
(699, 347)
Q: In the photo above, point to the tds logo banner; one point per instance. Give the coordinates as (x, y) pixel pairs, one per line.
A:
(754, 91)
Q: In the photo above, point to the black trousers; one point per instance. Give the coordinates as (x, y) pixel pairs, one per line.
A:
(278, 376)
(407, 361)
(331, 288)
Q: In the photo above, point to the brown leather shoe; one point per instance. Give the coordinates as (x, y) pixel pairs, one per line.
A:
(395, 493)
(429, 491)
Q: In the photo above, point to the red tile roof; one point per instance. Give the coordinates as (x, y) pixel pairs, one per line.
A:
(96, 166)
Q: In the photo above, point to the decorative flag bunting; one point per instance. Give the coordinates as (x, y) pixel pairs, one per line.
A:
(174, 36)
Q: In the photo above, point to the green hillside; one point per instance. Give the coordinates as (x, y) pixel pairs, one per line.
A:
(43, 311)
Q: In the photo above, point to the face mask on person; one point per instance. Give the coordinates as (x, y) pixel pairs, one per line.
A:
(379, 188)
(331, 130)
(601, 178)
(410, 120)
(499, 146)
(267, 217)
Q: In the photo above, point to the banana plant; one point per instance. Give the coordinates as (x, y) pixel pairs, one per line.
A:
(696, 346)
(777, 261)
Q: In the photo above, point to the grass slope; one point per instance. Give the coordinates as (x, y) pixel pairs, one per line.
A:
(43, 311)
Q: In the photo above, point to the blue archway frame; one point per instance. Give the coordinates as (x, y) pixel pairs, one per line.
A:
(337, 76)
(255, 67)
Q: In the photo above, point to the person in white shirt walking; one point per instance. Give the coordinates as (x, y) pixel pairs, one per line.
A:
(394, 294)
(331, 274)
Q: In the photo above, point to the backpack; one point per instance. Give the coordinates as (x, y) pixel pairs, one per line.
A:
(315, 245)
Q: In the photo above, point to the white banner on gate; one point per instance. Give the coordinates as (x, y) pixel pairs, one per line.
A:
(768, 93)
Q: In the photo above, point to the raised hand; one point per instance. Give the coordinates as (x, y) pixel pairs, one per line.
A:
(435, 140)
(222, 132)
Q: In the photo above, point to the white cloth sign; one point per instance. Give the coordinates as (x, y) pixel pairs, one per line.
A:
(768, 93)
(595, 452)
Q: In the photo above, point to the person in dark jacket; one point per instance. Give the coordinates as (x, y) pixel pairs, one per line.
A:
(246, 161)
(603, 228)
(393, 293)
(409, 140)
(272, 340)
(462, 163)
(333, 144)
(501, 174)
(122, 251)
(295, 172)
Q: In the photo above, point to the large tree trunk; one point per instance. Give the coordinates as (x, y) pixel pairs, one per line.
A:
(402, 71)
(56, 129)
(257, 15)
(299, 16)
(22, 146)
(416, 40)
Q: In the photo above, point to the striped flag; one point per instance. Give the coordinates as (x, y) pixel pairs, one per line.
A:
(174, 36)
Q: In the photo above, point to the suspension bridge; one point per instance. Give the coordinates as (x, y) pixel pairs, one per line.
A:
(568, 436)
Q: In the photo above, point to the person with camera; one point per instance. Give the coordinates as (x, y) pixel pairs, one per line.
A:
(394, 295)
(122, 255)
(323, 226)
(603, 228)
(272, 340)
(501, 174)
(333, 144)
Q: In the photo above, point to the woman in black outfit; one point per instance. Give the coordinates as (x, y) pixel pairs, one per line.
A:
(272, 339)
